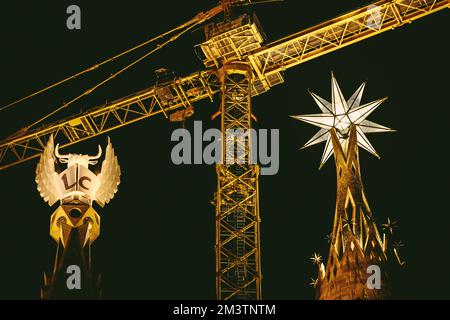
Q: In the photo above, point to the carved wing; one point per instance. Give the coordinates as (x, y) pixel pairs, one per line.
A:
(46, 176)
(109, 177)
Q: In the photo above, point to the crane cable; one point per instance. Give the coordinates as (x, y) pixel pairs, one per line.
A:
(87, 70)
(158, 47)
(199, 18)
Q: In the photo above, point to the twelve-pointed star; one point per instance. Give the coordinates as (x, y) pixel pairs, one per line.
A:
(340, 114)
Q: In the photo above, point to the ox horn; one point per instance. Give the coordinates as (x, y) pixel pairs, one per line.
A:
(99, 154)
(58, 155)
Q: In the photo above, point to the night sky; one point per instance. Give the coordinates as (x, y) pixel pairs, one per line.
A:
(157, 234)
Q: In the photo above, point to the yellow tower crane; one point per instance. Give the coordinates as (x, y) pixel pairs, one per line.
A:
(239, 66)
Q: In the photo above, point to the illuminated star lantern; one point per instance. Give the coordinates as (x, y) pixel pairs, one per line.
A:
(341, 114)
(77, 182)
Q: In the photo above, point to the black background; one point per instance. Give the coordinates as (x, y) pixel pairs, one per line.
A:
(157, 237)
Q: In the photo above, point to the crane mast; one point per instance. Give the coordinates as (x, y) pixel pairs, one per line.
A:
(238, 255)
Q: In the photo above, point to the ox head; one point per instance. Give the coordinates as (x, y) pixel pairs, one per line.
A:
(80, 159)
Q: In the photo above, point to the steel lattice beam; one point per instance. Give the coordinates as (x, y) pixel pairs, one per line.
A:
(337, 33)
(180, 93)
(238, 267)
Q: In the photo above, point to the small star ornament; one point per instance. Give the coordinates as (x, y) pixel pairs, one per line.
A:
(314, 282)
(316, 258)
(389, 226)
